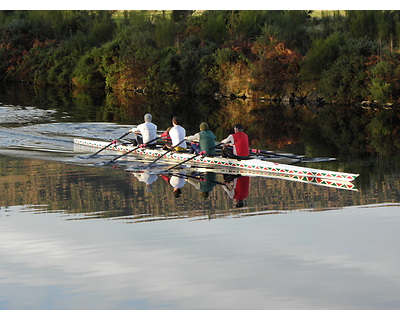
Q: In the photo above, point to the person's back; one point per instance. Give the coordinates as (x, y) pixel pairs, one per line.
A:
(145, 132)
(237, 144)
(203, 141)
(241, 146)
(207, 142)
(177, 134)
(148, 129)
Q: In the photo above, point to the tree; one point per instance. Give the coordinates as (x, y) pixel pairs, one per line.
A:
(276, 69)
(322, 54)
(345, 79)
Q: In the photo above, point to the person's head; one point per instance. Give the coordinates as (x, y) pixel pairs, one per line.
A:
(147, 117)
(238, 127)
(177, 192)
(204, 194)
(239, 203)
(176, 121)
(203, 126)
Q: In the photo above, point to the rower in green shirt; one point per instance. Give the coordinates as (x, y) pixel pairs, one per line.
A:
(206, 141)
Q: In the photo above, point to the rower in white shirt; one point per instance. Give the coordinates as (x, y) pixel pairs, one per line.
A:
(146, 132)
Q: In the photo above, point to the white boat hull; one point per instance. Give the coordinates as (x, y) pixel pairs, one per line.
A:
(251, 165)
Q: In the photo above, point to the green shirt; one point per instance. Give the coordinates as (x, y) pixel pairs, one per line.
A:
(207, 141)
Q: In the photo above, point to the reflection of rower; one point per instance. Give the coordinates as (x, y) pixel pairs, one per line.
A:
(204, 184)
(147, 178)
(176, 182)
(237, 188)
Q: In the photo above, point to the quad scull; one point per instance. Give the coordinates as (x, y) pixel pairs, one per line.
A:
(255, 165)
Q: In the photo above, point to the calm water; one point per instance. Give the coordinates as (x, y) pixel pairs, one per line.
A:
(75, 234)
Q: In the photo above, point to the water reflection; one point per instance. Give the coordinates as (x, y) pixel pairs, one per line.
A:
(332, 130)
(147, 178)
(69, 237)
(237, 188)
(204, 183)
(368, 147)
(111, 192)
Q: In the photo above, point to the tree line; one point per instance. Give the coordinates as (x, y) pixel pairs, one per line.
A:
(346, 56)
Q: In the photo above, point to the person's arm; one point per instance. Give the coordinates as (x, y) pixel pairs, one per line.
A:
(229, 192)
(195, 137)
(135, 130)
(194, 183)
(228, 140)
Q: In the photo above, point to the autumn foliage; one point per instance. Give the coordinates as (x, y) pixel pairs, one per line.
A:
(350, 56)
(276, 68)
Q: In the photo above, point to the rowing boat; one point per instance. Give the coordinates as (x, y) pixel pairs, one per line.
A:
(258, 165)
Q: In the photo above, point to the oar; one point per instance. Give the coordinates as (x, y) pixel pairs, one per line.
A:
(181, 175)
(172, 149)
(112, 142)
(138, 147)
(257, 152)
(202, 153)
(300, 158)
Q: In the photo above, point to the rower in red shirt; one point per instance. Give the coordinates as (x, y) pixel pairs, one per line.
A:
(236, 145)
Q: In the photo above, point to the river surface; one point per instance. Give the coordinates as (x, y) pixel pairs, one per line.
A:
(76, 234)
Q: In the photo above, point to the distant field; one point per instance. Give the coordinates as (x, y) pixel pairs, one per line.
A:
(157, 13)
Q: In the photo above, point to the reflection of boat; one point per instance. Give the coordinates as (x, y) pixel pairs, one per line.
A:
(255, 165)
(339, 184)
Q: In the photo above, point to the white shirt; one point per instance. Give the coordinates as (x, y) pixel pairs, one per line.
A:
(147, 178)
(148, 131)
(177, 182)
(177, 134)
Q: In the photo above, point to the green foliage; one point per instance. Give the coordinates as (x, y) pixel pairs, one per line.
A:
(345, 79)
(362, 23)
(327, 23)
(87, 71)
(248, 23)
(294, 26)
(165, 33)
(321, 55)
(181, 15)
(187, 52)
(225, 55)
(214, 27)
(344, 127)
(380, 89)
(383, 130)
